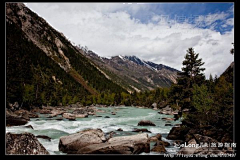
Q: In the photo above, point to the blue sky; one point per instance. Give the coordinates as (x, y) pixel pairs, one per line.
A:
(157, 32)
(188, 11)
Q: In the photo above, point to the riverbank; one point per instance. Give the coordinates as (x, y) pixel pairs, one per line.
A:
(109, 119)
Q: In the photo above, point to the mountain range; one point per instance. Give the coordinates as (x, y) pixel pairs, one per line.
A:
(44, 67)
(133, 73)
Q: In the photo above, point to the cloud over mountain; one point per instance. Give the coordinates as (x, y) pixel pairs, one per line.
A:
(111, 29)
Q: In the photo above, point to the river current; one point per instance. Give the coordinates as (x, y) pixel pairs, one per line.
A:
(126, 118)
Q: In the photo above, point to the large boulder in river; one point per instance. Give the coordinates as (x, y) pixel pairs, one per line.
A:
(25, 143)
(57, 112)
(45, 111)
(69, 116)
(134, 144)
(72, 143)
(93, 141)
(146, 123)
(177, 133)
(119, 129)
(26, 114)
(14, 120)
(85, 110)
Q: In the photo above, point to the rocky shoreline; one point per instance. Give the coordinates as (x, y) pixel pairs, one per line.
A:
(107, 144)
(133, 144)
(25, 143)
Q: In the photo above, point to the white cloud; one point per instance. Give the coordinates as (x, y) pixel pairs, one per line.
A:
(229, 22)
(109, 29)
(210, 20)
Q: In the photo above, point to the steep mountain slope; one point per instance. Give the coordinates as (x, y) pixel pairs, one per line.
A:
(42, 65)
(133, 73)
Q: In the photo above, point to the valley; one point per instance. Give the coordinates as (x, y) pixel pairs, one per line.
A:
(63, 98)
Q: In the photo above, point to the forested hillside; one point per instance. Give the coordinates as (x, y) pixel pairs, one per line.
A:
(42, 65)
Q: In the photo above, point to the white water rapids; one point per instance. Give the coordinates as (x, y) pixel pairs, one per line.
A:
(126, 118)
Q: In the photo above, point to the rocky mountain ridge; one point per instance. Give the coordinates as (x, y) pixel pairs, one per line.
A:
(43, 65)
(133, 73)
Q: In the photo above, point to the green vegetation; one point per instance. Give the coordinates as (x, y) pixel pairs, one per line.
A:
(210, 101)
(181, 93)
(33, 78)
(146, 98)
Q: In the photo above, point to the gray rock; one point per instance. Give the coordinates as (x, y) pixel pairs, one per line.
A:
(168, 111)
(134, 144)
(93, 141)
(72, 143)
(146, 123)
(25, 143)
(25, 114)
(69, 116)
(45, 111)
(85, 110)
(56, 112)
(141, 130)
(177, 133)
(14, 120)
(119, 129)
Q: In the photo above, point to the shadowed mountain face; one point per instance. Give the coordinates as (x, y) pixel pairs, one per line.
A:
(133, 73)
(43, 66)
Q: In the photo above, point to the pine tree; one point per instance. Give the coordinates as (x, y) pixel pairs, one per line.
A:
(191, 74)
(203, 102)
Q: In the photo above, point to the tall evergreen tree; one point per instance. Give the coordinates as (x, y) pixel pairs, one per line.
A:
(191, 74)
